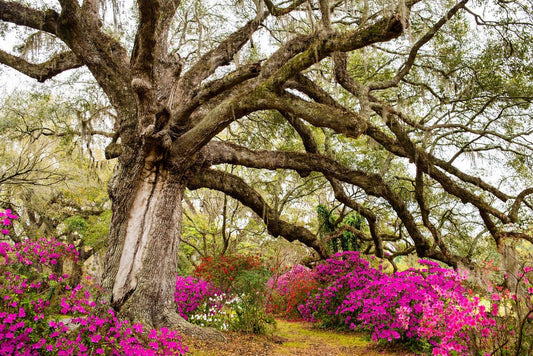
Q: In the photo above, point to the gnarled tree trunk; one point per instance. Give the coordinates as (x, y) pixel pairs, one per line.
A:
(146, 220)
(141, 261)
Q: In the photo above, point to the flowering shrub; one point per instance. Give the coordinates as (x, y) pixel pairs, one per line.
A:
(290, 290)
(195, 293)
(200, 302)
(223, 270)
(513, 308)
(428, 304)
(243, 279)
(6, 219)
(41, 314)
(336, 278)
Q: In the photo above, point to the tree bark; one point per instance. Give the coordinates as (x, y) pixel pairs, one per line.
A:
(146, 220)
(142, 257)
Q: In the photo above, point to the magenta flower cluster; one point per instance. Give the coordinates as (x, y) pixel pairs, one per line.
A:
(195, 295)
(41, 314)
(6, 219)
(428, 304)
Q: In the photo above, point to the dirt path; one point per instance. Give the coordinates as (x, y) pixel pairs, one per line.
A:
(293, 338)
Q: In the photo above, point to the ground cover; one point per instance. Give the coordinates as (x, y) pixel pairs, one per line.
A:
(294, 338)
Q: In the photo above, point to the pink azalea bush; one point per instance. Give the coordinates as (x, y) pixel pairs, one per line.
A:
(41, 314)
(513, 307)
(194, 295)
(289, 290)
(429, 304)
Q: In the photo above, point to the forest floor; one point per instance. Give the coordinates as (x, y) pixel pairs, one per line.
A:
(294, 338)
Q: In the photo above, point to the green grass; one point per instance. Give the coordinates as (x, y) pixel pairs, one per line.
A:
(302, 335)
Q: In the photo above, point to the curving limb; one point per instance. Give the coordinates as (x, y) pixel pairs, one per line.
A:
(238, 189)
(513, 214)
(406, 67)
(372, 184)
(22, 15)
(57, 64)
(280, 11)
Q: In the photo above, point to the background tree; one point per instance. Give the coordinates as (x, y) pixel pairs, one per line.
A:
(409, 88)
(66, 200)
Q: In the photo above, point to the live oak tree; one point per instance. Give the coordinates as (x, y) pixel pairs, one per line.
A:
(423, 83)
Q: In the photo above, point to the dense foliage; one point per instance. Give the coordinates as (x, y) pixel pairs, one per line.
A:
(429, 306)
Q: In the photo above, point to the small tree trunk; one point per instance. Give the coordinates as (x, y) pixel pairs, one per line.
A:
(141, 261)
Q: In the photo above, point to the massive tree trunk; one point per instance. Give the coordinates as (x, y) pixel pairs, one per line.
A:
(141, 260)
(140, 279)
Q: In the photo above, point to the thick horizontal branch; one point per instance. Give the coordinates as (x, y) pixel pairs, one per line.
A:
(317, 114)
(42, 71)
(19, 14)
(238, 189)
(280, 11)
(304, 51)
(372, 184)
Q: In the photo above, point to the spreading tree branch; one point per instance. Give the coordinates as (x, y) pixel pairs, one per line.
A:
(219, 56)
(238, 189)
(403, 146)
(513, 214)
(22, 15)
(372, 184)
(279, 11)
(406, 67)
(57, 64)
